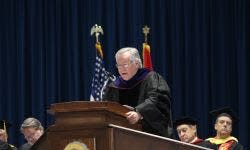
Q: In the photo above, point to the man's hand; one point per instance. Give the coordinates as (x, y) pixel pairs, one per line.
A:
(133, 117)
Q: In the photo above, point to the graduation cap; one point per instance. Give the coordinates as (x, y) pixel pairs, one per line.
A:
(184, 120)
(225, 111)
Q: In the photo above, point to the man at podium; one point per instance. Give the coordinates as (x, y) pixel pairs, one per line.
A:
(144, 91)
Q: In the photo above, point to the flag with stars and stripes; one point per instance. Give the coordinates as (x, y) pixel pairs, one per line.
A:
(101, 76)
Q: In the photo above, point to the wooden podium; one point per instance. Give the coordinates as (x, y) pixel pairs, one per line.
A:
(84, 125)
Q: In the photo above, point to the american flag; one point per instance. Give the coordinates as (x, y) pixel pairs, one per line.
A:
(101, 76)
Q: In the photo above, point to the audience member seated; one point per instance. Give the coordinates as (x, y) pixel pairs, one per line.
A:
(225, 119)
(186, 128)
(32, 129)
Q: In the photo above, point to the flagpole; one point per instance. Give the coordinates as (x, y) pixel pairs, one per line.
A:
(145, 31)
(97, 30)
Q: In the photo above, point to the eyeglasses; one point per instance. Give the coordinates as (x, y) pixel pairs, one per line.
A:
(125, 66)
(122, 66)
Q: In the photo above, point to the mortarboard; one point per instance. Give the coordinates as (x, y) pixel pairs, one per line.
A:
(184, 120)
(225, 111)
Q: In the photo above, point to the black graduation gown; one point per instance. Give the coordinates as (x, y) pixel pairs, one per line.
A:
(25, 146)
(235, 145)
(150, 96)
(6, 146)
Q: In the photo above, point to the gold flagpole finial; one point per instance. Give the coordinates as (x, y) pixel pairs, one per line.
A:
(145, 31)
(96, 30)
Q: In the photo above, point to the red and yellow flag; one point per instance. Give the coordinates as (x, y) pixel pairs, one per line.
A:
(147, 63)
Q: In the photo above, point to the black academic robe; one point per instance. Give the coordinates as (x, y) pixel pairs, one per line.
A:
(235, 145)
(6, 146)
(150, 96)
(25, 146)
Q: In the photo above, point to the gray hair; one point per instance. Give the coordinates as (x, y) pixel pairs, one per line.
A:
(31, 123)
(134, 54)
(194, 127)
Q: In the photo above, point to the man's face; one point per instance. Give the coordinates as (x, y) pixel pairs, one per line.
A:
(32, 134)
(126, 68)
(223, 126)
(186, 133)
(2, 135)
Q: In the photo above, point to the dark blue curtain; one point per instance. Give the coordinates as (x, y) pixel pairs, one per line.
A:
(201, 47)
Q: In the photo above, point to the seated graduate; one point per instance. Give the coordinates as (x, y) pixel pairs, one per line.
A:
(144, 91)
(4, 126)
(186, 128)
(225, 118)
(32, 130)
(4, 146)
